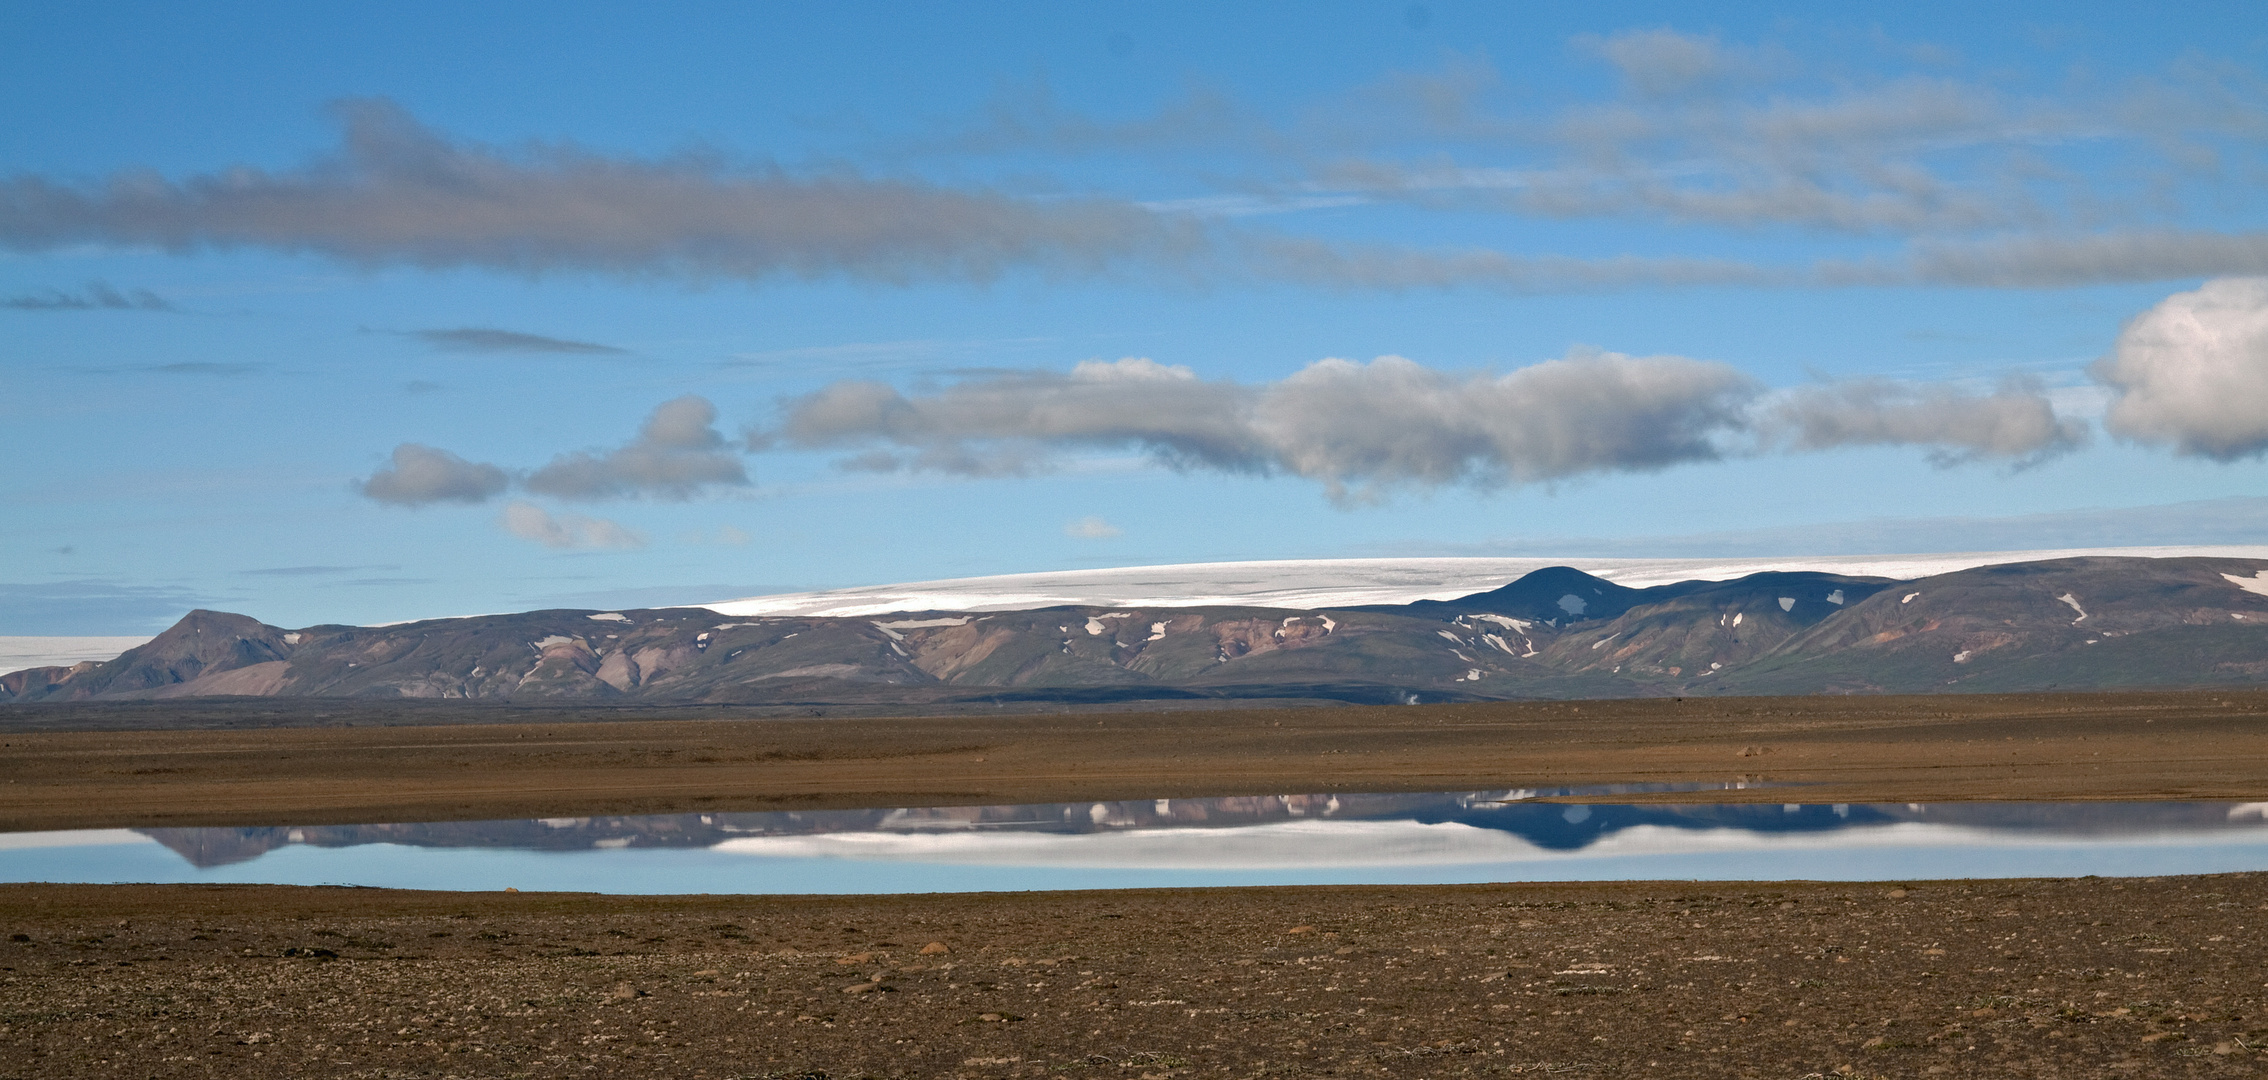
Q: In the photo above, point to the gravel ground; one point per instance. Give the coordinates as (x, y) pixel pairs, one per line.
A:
(2091, 977)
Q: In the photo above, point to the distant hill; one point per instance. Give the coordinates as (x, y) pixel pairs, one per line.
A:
(1554, 633)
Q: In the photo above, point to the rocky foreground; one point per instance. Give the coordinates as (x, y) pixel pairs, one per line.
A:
(2085, 978)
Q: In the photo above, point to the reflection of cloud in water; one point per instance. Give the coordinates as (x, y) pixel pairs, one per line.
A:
(1516, 820)
(26, 841)
(1308, 844)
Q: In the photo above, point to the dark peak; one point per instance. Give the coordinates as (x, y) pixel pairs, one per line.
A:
(207, 621)
(211, 638)
(1802, 585)
(1555, 593)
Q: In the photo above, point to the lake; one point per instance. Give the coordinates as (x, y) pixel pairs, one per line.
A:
(1302, 839)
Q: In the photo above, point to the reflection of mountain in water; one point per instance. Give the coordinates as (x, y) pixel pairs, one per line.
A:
(1558, 826)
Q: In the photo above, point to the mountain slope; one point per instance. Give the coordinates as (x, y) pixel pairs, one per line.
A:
(1556, 632)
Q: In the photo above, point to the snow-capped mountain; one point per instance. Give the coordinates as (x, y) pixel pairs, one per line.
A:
(1554, 632)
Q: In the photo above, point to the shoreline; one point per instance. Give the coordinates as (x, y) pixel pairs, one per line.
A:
(2188, 745)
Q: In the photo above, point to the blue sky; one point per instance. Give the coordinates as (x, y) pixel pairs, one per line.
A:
(331, 313)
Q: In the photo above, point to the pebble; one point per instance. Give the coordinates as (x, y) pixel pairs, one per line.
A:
(935, 948)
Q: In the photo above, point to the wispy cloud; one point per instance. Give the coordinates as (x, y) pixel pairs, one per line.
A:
(1092, 528)
(95, 296)
(310, 571)
(480, 339)
(92, 606)
(206, 367)
(224, 369)
(2016, 422)
(531, 522)
(398, 193)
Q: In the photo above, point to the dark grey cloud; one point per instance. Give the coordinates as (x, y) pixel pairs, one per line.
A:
(2015, 422)
(398, 193)
(677, 454)
(487, 340)
(96, 296)
(421, 475)
(2192, 372)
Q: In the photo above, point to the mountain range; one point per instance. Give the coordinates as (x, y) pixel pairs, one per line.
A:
(1556, 632)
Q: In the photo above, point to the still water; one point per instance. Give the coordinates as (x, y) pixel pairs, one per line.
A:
(1444, 837)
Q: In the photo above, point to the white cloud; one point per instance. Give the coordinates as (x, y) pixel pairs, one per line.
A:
(531, 522)
(2193, 371)
(1092, 528)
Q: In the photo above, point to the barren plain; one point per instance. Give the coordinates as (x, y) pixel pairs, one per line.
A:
(2088, 977)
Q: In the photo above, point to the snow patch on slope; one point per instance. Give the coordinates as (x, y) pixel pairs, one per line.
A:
(2256, 584)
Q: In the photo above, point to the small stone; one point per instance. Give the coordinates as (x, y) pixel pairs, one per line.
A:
(862, 988)
(935, 948)
(705, 973)
(855, 958)
(1898, 894)
(1301, 930)
(623, 992)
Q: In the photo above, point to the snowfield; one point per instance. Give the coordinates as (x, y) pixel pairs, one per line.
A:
(1317, 583)
(18, 653)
